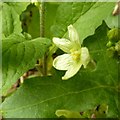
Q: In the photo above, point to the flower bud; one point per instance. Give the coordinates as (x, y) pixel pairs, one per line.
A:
(114, 35)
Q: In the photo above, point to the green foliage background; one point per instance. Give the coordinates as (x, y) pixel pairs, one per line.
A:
(40, 97)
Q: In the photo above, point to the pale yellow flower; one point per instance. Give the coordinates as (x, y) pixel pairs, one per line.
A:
(75, 56)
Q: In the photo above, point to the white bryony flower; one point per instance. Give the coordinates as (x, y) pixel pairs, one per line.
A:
(75, 55)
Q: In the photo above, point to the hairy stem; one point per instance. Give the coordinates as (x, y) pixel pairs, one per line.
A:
(42, 29)
(42, 17)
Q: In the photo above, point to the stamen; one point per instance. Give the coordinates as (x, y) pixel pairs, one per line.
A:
(75, 55)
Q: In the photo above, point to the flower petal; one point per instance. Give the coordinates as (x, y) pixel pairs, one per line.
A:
(63, 62)
(73, 69)
(63, 44)
(73, 35)
(85, 56)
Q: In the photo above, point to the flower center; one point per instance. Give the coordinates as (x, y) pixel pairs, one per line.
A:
(75, 55)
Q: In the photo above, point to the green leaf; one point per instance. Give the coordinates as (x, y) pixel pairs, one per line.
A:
(85, 16)
(106, 71)
(19, 55)
(41, 97)
(10, 17)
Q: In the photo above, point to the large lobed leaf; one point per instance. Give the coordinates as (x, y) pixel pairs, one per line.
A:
(19, 55)
(86, 17)
(41, 97)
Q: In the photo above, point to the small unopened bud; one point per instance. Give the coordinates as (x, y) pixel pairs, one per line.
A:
(117, 47)
(114, 35)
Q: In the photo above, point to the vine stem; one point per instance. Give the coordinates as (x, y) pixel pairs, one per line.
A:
(42, 17)
(42, 34)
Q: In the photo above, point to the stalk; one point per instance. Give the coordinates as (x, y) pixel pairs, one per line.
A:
(42, 34)
(42, 17)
